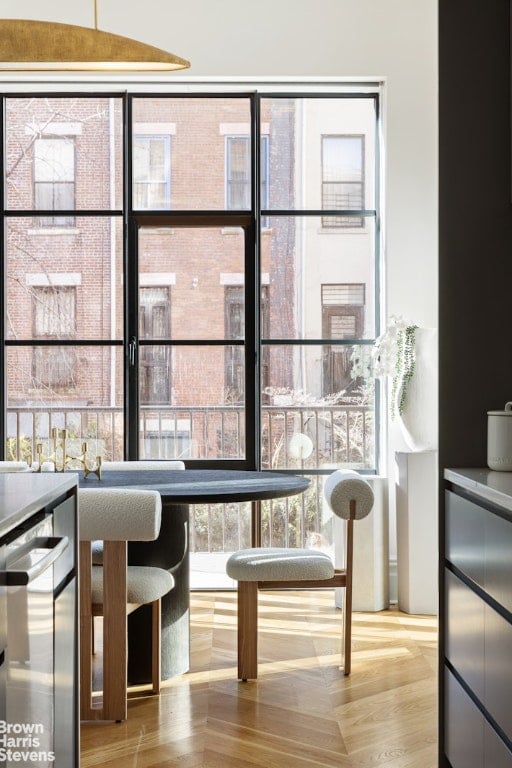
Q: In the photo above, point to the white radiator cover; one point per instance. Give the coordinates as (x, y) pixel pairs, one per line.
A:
(416, 525)
(370, 588)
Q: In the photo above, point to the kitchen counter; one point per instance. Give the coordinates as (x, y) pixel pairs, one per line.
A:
(487, 484)
(23, 493)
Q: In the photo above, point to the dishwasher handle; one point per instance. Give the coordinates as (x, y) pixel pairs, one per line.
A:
(20, 578)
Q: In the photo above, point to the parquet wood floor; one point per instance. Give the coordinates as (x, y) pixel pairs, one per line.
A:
(302, 712)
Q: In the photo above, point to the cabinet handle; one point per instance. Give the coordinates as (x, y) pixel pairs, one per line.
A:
(19, 578)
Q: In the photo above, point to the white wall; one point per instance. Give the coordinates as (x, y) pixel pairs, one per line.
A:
(393, 40)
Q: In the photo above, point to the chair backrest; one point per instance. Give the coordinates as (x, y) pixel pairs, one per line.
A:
(120, 466)
(119, 514)
(13, 466)
(345, 486)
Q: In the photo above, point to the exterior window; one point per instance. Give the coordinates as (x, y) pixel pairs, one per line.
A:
(54, 318)
(238, 173)
(342, 179)
(54, 179)
(155, 369)
(342, 318)
(152, 172)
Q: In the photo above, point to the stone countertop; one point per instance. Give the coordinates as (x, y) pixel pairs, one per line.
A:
(24, 493)
(486, 483)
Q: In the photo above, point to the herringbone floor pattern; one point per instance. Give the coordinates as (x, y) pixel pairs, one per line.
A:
(302, 712)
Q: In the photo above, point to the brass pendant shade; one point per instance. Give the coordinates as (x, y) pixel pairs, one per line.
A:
(27, 46)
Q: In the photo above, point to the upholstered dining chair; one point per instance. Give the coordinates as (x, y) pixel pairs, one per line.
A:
(115, 589)
(130, 466)
(13, 466)
(260, 568)
(142, 464)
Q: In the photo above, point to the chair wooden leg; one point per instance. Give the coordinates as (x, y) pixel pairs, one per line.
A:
(347, 620)
(86, 620)
(247, 630)
(156, 613)
(114, 631)
(347, 635)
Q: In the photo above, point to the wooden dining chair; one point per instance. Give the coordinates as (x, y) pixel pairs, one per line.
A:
(262, 568)
(114, 589)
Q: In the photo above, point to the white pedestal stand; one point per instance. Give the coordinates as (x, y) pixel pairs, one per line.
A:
(416, 523)
(370, 589)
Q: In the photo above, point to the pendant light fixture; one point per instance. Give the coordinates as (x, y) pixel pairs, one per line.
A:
(27, 46)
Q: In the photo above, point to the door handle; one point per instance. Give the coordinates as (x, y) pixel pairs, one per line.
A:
(20, 578)
(132, 350)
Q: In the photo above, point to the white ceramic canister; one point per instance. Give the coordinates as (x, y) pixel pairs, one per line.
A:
(499, 439)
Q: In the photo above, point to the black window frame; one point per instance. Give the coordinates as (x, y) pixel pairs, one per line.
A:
(252, 222)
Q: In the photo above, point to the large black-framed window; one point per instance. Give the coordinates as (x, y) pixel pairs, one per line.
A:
(138, 263)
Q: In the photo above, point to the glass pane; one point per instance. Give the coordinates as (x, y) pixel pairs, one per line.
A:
(197, 170)
(197, 415)
(79, 389)
(195, 271)
(314, 275)
(318, 408)
(76, 141)
(216, 530)
(297, 167)
(65, 286)
(304, 520)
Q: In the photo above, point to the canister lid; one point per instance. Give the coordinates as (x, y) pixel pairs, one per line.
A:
(506, 412)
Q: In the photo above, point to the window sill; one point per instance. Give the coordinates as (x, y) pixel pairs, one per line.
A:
(52, 231)
(343, 231)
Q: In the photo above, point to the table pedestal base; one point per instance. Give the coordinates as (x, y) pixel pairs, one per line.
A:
(169, 551)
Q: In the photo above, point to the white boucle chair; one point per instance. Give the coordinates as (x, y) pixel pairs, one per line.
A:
(115, 589)
(14, 466)
(130, 466)
(259, 568)
(124, 466)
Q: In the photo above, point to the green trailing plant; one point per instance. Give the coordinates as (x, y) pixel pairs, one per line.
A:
(394, 356)
(404, 368)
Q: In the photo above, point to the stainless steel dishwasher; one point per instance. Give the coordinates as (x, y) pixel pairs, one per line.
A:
(37, 608)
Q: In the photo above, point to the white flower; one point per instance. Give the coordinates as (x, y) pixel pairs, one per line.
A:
(385, 349)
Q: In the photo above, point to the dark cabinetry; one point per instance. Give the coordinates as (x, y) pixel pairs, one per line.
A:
(476, 633)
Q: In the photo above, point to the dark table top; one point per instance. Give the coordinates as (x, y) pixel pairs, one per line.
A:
(203, 486)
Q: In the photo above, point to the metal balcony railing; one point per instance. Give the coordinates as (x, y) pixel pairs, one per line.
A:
(338, 436)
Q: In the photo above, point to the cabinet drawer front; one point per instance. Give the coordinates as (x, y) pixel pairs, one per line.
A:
(498, 669)
(497, 755)
(465, 535)
(465, 633)
(464, 727)
(498, 560)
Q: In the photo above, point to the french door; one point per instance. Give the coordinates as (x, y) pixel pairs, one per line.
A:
(189, 401)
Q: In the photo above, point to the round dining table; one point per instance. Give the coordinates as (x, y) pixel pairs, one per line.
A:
(179, 489)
